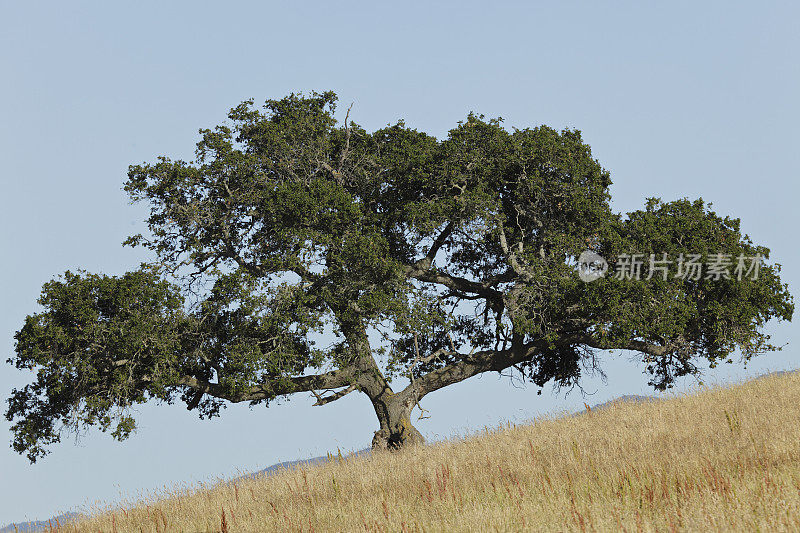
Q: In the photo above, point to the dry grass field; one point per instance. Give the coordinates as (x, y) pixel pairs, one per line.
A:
(719, 459)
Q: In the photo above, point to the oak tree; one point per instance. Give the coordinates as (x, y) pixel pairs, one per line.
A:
(426, 261)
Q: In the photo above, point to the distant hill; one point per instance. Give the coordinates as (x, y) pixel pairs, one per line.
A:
(39, 525)
(289, 464)
(628, 398)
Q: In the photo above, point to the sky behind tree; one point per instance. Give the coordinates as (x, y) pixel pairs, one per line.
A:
(676, 100)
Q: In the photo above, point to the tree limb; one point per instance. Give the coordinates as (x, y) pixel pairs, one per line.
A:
(655, 350)
(322, 400)
(329, 380)
(513, 261)
(437, 244)
(471, 365)
(454, 283)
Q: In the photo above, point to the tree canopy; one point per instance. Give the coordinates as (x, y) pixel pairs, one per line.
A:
(425, 259)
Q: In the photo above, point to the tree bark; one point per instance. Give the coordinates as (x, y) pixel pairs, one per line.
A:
(394, 415)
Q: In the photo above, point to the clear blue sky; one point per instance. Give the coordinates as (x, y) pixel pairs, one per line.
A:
(677, 99)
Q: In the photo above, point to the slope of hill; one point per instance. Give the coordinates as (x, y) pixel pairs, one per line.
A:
(720, 459)
(43, 525)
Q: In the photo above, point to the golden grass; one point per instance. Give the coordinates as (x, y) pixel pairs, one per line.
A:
(719, 459)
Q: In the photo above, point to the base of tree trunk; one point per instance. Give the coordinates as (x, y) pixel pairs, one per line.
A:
(401, 435)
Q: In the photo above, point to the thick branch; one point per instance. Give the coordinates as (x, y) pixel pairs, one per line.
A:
(422, 270)
(437, 245)
(455, 283)
(497, 360)
(329, 380)
(471, 365)
(656, 350)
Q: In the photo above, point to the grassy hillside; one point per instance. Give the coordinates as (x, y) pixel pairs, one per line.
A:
(718, 460)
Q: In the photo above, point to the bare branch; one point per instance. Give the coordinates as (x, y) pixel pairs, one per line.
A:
(346, 140)
(322, 400)
(513, 261)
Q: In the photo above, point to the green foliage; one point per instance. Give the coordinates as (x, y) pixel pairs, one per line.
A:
(705, 318)
(101, 345)
(459, 252)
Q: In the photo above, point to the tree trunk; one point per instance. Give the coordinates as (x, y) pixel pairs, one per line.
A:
(394, 414)
(393, 410)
